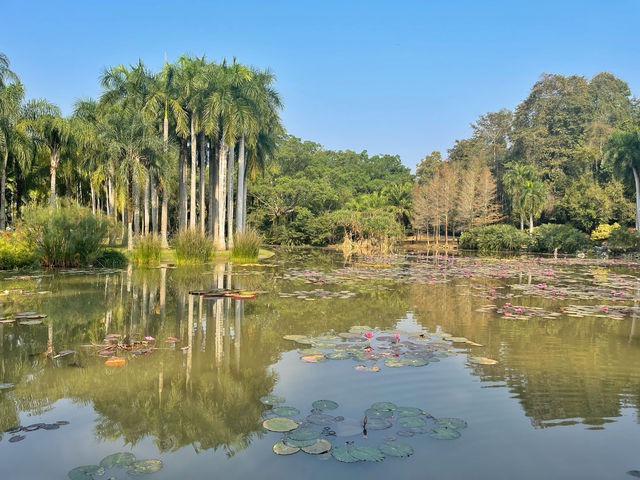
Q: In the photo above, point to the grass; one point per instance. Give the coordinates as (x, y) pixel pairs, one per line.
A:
(246, 246)
(192, 246)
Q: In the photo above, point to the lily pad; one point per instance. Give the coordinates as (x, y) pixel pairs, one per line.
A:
(321, 446)
(371, 413)
(283, 449)
(144, 467)
(317, 358)
(337, 356)
(388, 406)
(458, 339)
(444, 433)
(449, 422)
(5, 386)
(325, 405)
(310, 351)
(279, 424)
(367, 454)
(408, 412)
(411, 422)
(85, 472)
(298, 443)
(123, 459)
(342, 454)
(285, 411)
(396, 449)
(30, 322)
(17, 438)
(378, 424)
(303, 433)
(321, 419)
(482, 360)
(272, 399)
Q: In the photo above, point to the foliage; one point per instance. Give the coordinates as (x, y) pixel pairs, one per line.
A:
(246, 245)
(567, 239)
(623, 239)
(191, 246)
(493, 238)
(111, 258)
(148, 249)
(603, 231)
(15, 253)
(64, 237)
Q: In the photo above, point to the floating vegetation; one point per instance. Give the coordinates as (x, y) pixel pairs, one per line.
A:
(396, 449)
(225, 293)
(144, 467)
(482, 361)
(115, 464)
(6, 386)
(325, 404)
(32, 428)
(285, 411)
(115, 362)
(123, 459)
(272, 399)
(279, 424)
(282, 449)
(320, 446)
(367, 454)
(86, 472)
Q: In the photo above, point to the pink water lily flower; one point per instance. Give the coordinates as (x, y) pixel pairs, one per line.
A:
(397, 335)
(149, 339)
(368, 335)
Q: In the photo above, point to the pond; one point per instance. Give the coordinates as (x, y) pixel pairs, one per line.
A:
(475, 368)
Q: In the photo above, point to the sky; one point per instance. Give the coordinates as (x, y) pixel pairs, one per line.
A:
(397, 77)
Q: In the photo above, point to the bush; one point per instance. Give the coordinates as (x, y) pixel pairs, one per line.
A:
(492, 238)
(148, 250)
(623, 239)
(603, 231)
(567, 239)
(64, 237)
(192, 246)
(246, 245)
(15, 253)
(110, 258)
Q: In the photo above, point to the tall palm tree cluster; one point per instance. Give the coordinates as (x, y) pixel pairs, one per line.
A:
(158, 152)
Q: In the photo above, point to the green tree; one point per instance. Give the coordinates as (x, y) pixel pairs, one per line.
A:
(624, 149)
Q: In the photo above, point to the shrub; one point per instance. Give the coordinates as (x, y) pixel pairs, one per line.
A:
(567, 239)
(623, 239)
(192, 246)
(603, 231)
(110, 258)
(246, 245)
(15, 253)
(492, 238)
(64, 237)
(148, 250)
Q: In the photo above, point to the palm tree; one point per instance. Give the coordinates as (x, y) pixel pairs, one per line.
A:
(624, 149)
(534, 196)
(515, 180)
(7, 76)
(10, 99)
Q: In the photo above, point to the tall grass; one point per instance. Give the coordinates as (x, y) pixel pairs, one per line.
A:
(15, 253)
(246, 245)
(147, 250)
(64, 237)
(191, 246)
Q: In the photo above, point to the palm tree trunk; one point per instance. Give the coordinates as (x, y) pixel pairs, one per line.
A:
(636, 178)
(531, 223)
(93, 198)
(136, 206)
(213, 207)
(230, 166)
(146, 204)
(164, 217)
(194, 163)
(182, 188)
(53, 166)
(521, 223)
(222, 171)
(244, 201)
(241, 192)
(154, 204)
(3, 198)
(203, 148)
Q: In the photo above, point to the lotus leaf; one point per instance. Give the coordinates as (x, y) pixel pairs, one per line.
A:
(367, 454)
(396, 449)
(321, 419)
(85, 472)
(321, 446)
(316, 344)
(408, 412)
(448, 422)
(411, 422)
(279, 424)
(342, 454)
(337, 356)
(272, 399)
(283, 449)
(298, 443)
(373, 413)
(328, 338)
(144, 467)
(285, 411)
(384, 406)
(303, 433)
(325, 405)
(444, 433)
(378, 424)
(123, 459)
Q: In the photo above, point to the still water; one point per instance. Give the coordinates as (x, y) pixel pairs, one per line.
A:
(562, 401)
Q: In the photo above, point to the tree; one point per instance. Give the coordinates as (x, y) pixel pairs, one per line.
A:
(534, 196)
(515, 180)
(428, 166)
(624, 150)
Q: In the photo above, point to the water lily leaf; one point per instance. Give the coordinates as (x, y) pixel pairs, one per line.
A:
(115, 362)
(17, 438)
(378, 424)
(279, 424)
(407, 412)
(394, 362)
(123, 459)
(367, 454)
(85, 472)
(310, 351)
(365, 368)
(634, 473)
(303, 433)
(338, 356)
(444, 433)
(283, 449)
(313, 358)
(396, 449)
(298, 338)
(285, 411)
(316, 344)
(458, 339)
(411, 422)
(360, 329)
(298, 443)
(321, 419)
(64, 353)
(13, 430)
(388, 406)
(328, 338)
(325, 405)
(5, 386)
(30, 322)
(144, 467)
(448, 422)
(482, 361)
(272, 399)
(6, 321)
(321, 446)
(371, 413)
(342, 454)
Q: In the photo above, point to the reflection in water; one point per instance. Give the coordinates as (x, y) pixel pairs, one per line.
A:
(205, 390)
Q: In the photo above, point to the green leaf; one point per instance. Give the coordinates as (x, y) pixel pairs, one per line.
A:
(123, 459)
(384, 406)
(412, 422)
(285, 411)
(321, 446)
(279, 424)
(272, 399)
(396, 449)
(85, 472)
(448, 422)
(282, 449)
(145, 467)
(342, 454)
(325, 405)
(367, 454)
(444, 433)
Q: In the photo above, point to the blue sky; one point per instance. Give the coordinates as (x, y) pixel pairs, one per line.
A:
(403, 77)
